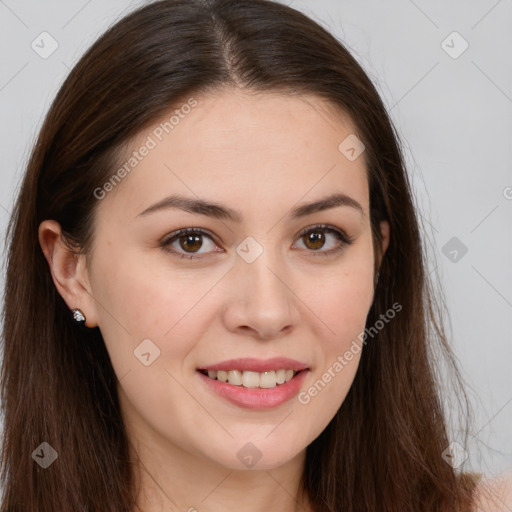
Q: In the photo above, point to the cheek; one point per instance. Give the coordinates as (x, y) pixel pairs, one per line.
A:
(343, 303)
(344, 316)
(145, 321)
(136, 303)
(342, 299)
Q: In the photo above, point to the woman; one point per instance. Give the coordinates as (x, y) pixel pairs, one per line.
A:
(216, 295)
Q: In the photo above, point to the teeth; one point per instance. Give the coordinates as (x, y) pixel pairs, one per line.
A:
(267, 379)
(248, 379)
(235, 377)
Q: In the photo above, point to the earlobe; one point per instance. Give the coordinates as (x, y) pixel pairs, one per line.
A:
(67, 269)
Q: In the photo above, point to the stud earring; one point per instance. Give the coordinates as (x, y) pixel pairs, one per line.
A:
(78, 317)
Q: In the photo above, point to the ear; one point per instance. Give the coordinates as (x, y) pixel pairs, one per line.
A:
(68, 270)
(385, 232)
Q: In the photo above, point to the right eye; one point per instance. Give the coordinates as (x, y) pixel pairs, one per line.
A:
(188, 240)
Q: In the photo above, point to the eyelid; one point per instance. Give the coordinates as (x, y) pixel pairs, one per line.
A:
(328, 228)
(344, 239)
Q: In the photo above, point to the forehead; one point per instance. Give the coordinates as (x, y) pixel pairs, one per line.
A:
(243, 147)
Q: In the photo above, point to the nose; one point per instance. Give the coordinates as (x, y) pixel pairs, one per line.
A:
(261, 301)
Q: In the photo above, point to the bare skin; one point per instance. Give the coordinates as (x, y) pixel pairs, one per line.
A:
(263, 155)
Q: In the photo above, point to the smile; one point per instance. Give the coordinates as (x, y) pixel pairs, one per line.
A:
(247, 389)
(248, 379)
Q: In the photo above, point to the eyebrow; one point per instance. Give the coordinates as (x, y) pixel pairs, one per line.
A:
(219, 211)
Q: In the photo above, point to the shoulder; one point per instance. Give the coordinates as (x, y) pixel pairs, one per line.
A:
(493, 494)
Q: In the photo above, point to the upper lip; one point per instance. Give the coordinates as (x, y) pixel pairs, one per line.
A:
(257, 365)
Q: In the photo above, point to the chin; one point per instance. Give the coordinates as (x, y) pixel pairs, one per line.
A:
(247, 455)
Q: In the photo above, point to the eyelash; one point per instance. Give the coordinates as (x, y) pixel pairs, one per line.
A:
(340, 235)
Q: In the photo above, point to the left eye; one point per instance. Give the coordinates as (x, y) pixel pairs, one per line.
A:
(190, 241)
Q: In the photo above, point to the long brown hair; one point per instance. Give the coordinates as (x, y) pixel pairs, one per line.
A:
(383, 449)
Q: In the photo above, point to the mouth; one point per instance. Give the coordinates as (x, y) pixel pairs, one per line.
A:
(254, 390)
(250, 379)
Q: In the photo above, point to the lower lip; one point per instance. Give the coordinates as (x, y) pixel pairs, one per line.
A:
(256, 398)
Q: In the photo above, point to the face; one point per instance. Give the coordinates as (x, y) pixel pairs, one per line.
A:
(269, 279)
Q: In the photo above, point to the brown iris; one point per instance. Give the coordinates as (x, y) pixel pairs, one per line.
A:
(316, 238)
(190, 242)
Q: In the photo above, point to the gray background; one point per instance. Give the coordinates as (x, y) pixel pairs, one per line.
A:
(454, 114)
